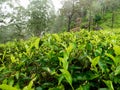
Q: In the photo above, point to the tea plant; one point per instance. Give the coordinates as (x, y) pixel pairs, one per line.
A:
(66, 61)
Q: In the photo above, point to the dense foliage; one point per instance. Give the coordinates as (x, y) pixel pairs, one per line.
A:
(66, 61)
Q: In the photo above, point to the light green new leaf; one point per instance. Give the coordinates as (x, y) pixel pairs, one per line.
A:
(111, 56)
(109, 84)
(116, 48)
(117, 71)
(90, 59)
(67, 76)
(4, 55)
(60, 79)
(57, 37)
(64, 63)
(7, 87)
(13, 60)
(60, 60)
(11, 82)
(80, 88)
(29, 86)
(95, 61)
(1, 68)
(70, 48)
(116, 59)
(17, 75)
(66, 56)
(61, 87)
(5, 81)
(37, 43)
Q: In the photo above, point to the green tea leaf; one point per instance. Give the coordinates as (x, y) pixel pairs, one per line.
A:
(1, 68)
(67, 76)
(7, 87)
(111, 56)
(117, 60)
(10, 82)
(89, 46)
(4, 55)
(60, 79)
(29, 86)
(39, 88)
(80, 88)
(66, 56)
(103, 89)
(84, 87)
(117, 71)
(109, 84)
(57, 37)
(103, 66)
(13, 60)
(116, 48)
(17, 75)
(61, 87)
(5, 81)
(95, 61)
(70, 48)
(63, 62)
(37, 43)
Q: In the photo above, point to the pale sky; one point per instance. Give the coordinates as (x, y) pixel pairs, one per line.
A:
(56, 3)
(24, 3)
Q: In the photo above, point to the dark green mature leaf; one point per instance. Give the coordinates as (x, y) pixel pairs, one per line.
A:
(103, 89)
(89, 46)
(84, 87)
(87, 76)
(103, 66)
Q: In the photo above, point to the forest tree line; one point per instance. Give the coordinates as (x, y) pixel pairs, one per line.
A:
(40, 17)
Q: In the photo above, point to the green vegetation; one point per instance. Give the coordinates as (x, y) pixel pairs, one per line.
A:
(65, 61)
(34, 55)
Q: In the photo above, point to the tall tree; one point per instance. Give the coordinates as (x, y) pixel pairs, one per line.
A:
(40, 14)
(13, 19)
(68, 10)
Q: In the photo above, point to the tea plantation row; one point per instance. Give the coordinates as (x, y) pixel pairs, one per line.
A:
(66, 61)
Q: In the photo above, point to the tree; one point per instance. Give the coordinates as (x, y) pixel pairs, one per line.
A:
(68, 10)
(13, 20)
(39, 15)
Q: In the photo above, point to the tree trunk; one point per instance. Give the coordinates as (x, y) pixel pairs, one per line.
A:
(69, 24)
(89, 27)
(112, 19)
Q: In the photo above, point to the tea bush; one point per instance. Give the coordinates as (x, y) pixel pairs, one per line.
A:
(66, 61)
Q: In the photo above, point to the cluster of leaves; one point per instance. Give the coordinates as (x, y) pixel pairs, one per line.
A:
(66, 61)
